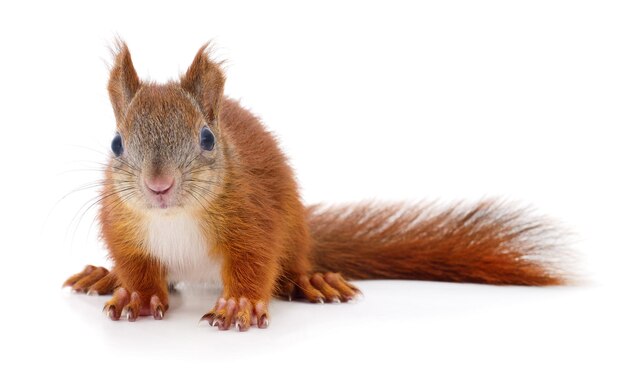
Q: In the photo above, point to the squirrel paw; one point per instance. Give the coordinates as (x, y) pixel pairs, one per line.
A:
(93, 280)
(240, 312)
(323, 288)
(131, 305)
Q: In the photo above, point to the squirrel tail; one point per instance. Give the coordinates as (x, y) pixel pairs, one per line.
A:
(488, 243)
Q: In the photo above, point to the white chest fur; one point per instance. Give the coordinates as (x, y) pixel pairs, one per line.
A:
(177, 241)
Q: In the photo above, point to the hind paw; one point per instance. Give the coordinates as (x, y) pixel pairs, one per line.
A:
(323, 288)
(93, 281)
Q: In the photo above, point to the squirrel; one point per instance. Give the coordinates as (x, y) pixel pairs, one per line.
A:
(197, 190)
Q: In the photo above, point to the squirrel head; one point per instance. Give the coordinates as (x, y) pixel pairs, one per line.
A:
(167, 152)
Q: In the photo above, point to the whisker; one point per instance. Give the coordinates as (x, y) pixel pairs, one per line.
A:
(204, 188)
(123, 199)
(107, 166)
(99, 198)
(192, 194)
(82, 211)
(190, 161)
(200, 181)
(95, 184)
(203, 192)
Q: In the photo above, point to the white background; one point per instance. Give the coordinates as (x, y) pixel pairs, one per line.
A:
(393, 101)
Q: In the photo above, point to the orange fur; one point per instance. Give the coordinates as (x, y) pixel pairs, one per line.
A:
(244, 196)
(485, 243)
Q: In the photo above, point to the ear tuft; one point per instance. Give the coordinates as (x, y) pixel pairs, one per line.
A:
(204, 80)
(123, 80)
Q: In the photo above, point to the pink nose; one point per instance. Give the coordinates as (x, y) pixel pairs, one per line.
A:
(160, 184)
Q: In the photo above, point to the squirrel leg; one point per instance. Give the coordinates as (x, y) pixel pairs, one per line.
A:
(143, 291)
(248, 283)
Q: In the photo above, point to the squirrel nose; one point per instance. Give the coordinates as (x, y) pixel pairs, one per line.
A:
(160, 184)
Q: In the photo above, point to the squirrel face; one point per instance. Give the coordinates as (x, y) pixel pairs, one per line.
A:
(167, 153)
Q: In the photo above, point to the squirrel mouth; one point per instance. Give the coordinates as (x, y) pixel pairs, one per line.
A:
(160, 191)
(161, 201)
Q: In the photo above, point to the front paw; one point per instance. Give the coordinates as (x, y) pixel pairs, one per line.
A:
(240, 312)
(130, 305)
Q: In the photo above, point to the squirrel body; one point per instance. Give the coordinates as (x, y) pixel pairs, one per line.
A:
(197, 190)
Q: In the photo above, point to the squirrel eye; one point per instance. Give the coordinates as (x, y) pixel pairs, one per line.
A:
(116, 145)
(207, 139)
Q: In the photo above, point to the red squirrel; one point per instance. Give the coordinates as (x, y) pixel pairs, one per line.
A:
(197, 189)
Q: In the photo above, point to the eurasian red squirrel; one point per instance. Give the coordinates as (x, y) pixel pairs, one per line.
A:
(196, 188)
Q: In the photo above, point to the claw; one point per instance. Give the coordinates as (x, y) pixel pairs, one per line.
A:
(357, 296)
(221, 325)
(239, 313)
(264, 322)
(319, 300)
(109, 311)
(242, 325)
(92, 292)
(128, 314)
(208, 317)
(335, 300)
(159, 313)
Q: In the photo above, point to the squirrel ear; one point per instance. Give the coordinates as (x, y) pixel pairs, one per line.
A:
(123, 80)
(204, 80)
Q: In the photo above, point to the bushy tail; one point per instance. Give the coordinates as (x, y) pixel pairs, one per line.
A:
(484, 243)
